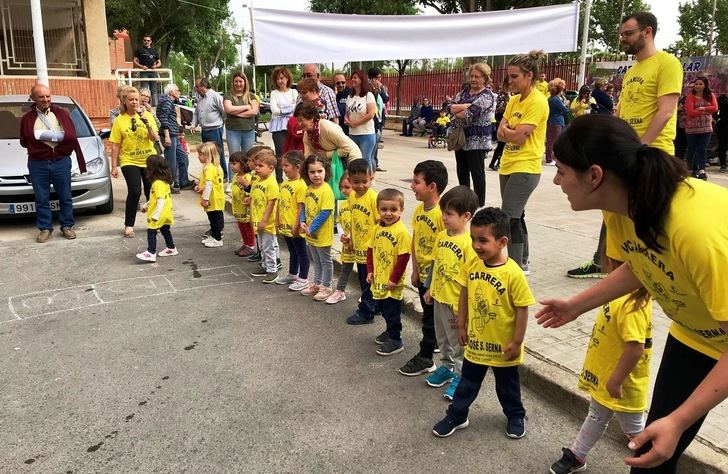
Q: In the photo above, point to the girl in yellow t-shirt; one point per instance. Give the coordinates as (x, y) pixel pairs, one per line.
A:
(239, 194)
(317, 224)
(290, 201)
(616, 374)
(212, 192)
(347, 249)
(160, 216)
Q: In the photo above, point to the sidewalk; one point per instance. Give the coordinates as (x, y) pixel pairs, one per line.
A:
(560, 239)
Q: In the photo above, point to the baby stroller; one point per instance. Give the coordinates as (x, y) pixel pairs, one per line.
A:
(438, 136)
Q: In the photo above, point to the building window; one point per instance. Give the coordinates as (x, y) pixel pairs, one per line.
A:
(63, 30)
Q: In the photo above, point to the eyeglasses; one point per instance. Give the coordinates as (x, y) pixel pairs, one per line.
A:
(624, 34)
(342, 83)
(133, 124)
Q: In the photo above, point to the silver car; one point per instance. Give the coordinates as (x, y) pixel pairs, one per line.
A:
(91, 190)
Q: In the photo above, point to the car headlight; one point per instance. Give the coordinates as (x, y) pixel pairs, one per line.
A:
(93, 168)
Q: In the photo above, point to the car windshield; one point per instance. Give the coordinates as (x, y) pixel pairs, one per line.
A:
(10, 114)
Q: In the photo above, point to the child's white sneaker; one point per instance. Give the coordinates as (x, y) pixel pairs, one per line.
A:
(168, 252)
(147, 256)
(212, 243)
(335, 297)
(300, 284)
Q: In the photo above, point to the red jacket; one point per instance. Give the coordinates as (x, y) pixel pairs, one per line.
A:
(294, 137)
(37, 150)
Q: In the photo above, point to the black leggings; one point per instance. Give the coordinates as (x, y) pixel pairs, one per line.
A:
(217, 223)
(135, 178)
(472, 163)
(682, 369)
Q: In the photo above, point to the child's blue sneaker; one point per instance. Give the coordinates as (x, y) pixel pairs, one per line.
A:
(516, 428)
(440, 377)
(357, 319)
(450, 390)
(449, 425)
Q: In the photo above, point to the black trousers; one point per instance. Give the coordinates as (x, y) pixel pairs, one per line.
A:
(682, 369)
(392, 312)
(429, 340)
(507, 388)
(721, 131)
(135, 179)
(472, 163)
(217, 223)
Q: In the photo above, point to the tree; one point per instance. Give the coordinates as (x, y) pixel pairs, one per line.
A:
(694, 20)
(472, 6)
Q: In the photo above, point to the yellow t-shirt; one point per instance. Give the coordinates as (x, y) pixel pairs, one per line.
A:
(616, 325)
(526, 158)
(656, 76)
(160, 190)
(134, 146)
(292, 193)
(542, 87)
(443, 121)
(426, 224)
(494, 293)
(215, 175)
(389, 243)
(451, 255)
(344, 218)
(688, 277)
(317, 200)
(364, 219)
(238, 195)
(261, 192)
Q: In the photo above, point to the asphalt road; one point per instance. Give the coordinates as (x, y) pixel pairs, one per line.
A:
(187, 365)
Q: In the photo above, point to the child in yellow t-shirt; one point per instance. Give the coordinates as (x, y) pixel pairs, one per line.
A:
(160, 216)
(290, 203)
(364, 220)
(428, 182)
(264, 194)
(212, 192)
(347, 250)
(492, 319)
(317, 224)
(239, 195)
(616, 374)
(387, 259)
(451, 253)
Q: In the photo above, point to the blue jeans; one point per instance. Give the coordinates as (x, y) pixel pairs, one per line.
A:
(43, 174)
(367, 144)
(177, 161)
(507, 388)
(298, 262)
(215, 135)
(392, 312)
(152, 238)
(323, 267)
(240, 140)
(697, 150)
(153, 86)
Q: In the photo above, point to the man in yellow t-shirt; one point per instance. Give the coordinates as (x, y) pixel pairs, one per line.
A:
(263, 208)
(542, 85)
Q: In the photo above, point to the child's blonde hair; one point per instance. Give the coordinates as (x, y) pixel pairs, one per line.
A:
(209, 149)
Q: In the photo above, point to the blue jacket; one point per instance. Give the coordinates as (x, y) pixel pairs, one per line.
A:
(426, 113)
(557, 112)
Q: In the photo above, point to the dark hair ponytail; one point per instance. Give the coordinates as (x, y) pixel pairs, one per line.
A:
(650, 175)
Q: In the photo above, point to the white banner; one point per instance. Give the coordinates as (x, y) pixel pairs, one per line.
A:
(287, 37)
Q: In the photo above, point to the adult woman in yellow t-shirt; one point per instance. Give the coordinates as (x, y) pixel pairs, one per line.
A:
(523, 128)
(132, 140)
(670, 230)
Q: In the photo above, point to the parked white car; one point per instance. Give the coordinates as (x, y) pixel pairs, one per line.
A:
(91, 190)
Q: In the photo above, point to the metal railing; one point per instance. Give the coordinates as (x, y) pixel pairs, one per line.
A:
(130, 76)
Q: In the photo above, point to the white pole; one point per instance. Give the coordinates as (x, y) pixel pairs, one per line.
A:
(41, 65)
(711, 30)
(584, 43)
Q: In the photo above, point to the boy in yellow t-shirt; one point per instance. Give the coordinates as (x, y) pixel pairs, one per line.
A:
(616, 374)
(453, 252)
(386, 264)
(428, 182)
(492, 319)
(263, 208)
(364, 220)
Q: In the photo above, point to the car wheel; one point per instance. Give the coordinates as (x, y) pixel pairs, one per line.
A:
(107, 207)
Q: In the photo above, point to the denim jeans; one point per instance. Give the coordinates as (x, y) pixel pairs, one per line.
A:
(152, 238)
(697, 150)
(215, 135)
(392, 312)
(507, 388)
(153, 86)
(323, 267)
(43, 174)
(170, 153)
(183, 164)
(367, 144)
(240, 140)
(298, 256)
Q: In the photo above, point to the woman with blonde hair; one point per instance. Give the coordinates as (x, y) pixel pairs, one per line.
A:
(241, 107)
(473, 109)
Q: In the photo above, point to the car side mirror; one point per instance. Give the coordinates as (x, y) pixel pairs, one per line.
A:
(105, 133)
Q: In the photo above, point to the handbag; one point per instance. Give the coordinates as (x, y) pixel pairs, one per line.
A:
(456, 139)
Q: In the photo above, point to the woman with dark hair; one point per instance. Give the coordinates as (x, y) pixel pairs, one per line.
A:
(670, 230)
(241, 107)
(282, 102)
(361, 106)
(557, 118)
(699, 109)
(323, 136)
(582, 104)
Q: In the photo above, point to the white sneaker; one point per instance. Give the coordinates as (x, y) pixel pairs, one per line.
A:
(286, 279)
(300, 284)
(168, 252)
(335, 297)
(206, 238)
(212, 243)
(147, 256)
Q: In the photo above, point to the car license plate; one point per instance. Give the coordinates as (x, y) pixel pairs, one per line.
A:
(26, 207)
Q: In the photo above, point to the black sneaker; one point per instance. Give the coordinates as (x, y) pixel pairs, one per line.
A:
(381, 339)
(357, 319)
(270, 277)
(588, 270)
(256, 257)
(417, 365)
(567, 464)
(516, 428)
(390, 347)
(259, 272)
(448, 426)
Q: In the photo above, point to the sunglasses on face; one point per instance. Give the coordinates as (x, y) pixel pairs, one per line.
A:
(342, 83)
